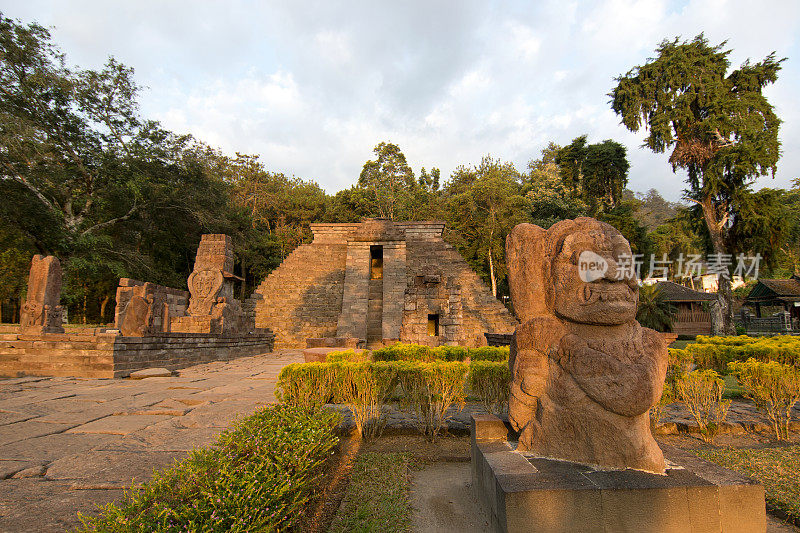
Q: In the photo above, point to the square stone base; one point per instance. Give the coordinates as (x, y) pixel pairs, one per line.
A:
(531, 494)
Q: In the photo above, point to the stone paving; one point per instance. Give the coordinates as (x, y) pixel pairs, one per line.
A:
(67, 444)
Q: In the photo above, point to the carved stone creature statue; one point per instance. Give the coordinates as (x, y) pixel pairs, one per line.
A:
(585, 373)
(41, 312)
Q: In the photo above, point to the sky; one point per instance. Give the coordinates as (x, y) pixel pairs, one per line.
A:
(313, 87)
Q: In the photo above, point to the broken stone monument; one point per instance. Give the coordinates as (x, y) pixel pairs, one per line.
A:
(585, 373)
(41, 312)
(145, 308)
(212, 307)
(577, 454)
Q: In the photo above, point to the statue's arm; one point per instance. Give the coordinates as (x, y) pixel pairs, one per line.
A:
(625, 388)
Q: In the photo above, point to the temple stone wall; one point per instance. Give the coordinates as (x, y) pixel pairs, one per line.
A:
(323, 289)
(302, 298)
(481, 312)
(114, 356)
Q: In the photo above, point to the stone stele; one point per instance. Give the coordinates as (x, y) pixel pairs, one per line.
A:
(42, 312)
(585, 373)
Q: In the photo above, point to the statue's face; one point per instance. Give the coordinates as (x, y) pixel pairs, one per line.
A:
(594, 280)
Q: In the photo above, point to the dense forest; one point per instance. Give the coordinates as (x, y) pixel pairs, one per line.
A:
(113, 194)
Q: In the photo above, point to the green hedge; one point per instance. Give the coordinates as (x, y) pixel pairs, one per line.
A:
(416, 352)
(426, 388)
(716, 352)
(491, 382)
(260, 475)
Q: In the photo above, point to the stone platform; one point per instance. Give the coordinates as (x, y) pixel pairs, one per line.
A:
(108, 355)
(526, 493)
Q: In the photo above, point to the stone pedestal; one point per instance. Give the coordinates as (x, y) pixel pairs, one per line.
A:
(540, 495)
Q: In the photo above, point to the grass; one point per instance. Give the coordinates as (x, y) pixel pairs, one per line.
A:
(680, 344)
(732, 388)
(778, 469)
(377, 498)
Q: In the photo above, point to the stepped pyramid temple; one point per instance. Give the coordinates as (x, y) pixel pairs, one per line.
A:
(377, 281)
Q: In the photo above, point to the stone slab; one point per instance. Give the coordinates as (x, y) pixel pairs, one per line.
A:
(536, 494)
(51, 447)
(119, 424)
(163, 437)
(38, 506)
(9, 468)
(151, 373)
(29, 429)
(101, 469)
(10, 418)
(218, 414)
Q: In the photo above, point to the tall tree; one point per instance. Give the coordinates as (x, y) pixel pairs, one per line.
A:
(84, 177)
(719, 125)
(389, 179)
(549, 197)
(653, 210)
(597, 173)
(481, 206)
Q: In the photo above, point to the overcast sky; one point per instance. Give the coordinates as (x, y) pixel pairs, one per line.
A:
(312, 87)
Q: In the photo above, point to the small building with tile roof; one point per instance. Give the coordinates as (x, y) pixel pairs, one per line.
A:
(781, 293)
(692, 314)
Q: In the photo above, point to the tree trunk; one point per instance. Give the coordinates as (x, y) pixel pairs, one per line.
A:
(243, 292)
(85, 296)
(491, 274)
(724, 292)
(103, 303)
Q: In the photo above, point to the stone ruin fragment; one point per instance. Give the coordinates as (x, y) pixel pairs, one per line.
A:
(145, 308)
(41, 312)
(585, 373)
(212, 307)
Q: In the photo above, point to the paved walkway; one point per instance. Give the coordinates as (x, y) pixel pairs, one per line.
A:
(67, 444)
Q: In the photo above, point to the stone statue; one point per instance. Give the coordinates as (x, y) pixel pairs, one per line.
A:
(585, 373)
(41, 312)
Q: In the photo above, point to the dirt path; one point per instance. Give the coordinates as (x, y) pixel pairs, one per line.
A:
(67, 444)
(443, 501)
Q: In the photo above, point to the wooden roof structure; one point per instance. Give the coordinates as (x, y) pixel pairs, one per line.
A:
(777, 291)
(678, 293)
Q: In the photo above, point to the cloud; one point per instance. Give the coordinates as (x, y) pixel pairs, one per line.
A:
(313, 88)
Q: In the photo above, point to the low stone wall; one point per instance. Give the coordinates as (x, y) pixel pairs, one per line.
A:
(115, 356)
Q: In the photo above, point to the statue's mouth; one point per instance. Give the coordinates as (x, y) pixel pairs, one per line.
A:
(614, 292)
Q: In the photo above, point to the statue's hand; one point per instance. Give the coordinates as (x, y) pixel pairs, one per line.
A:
(569, 349)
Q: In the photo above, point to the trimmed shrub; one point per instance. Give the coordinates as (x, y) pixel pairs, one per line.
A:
(451, 353)
(416, 352)
(680, 363)
(364, 388)
(260, 475)
(701, 391)
(490, 382)
(403, 352)
(716, 352)
(347, 356)
(490, 353)
(306, 385)
(430, 389)
(773, 387)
